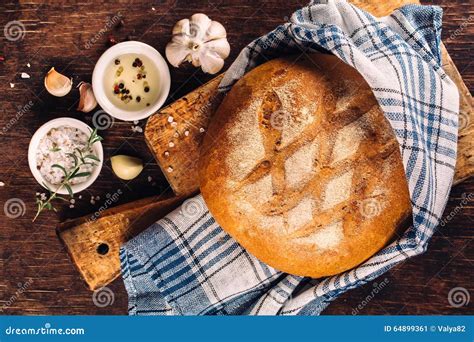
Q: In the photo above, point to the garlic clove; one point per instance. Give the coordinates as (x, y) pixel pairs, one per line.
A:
(87, 101)
(199, 24)
(57, 84)
(126, 167)
(213, 54)
(175, 53)
(215, 31)
(219, 46)
(181, 27)
(211, 63)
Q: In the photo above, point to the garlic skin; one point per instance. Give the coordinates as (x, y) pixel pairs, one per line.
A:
(200, 41)
(126, 167)
(57, 84)
(87, 101)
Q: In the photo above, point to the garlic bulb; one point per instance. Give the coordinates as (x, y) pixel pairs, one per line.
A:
(57, 84)
(200, 41)
(87, 101)
(126, 167)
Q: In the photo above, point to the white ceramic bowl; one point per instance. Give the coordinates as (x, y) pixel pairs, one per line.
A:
(108, 57)
(41, 132)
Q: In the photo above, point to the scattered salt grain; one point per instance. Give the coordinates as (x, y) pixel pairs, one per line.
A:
(186, 133)
(170, 119)
(153, 9)
(12, 85)
(97, 198)
(171, 144)
(71, 206)
(169, 169)
(28, 65)
(2, 184)
(72, 201)
(202, 130)
(150, 179)
(25, 75)
(174, 124)
(137, 129)
(136, 122)
(167, 154)
(80, 197)
(176, 135)
(92, 201)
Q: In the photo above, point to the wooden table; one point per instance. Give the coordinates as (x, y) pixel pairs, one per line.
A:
(36, 275)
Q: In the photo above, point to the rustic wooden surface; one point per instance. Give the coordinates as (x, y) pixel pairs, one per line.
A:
(36, 274)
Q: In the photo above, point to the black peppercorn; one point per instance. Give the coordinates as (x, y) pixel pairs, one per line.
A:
(117, 61)
(147, 89)
(138, 98)
(121, 85)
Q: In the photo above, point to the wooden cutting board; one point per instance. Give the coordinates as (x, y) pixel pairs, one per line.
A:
(174, 136)
(175, 133)
(94, 245)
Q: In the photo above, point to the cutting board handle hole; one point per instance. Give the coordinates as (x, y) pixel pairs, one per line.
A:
(103, 249)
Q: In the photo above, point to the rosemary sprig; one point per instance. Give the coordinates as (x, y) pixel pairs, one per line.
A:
(79, 159)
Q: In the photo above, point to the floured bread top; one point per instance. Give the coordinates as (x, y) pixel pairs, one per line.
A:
(302, 169)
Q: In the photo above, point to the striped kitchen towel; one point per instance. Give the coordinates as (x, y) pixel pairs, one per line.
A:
(185, 264)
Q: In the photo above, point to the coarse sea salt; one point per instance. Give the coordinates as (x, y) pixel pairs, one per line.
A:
(56, 147)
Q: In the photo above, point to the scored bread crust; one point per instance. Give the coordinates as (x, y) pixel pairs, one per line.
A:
(301, 167)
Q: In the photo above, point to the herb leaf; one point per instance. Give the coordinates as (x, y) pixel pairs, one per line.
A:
(81, 174)
(93, 157)
(61, 168)
(69, 190)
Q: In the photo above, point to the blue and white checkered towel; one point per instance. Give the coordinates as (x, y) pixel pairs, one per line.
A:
(185, 264)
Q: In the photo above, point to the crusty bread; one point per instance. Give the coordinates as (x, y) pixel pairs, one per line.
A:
(301, 167)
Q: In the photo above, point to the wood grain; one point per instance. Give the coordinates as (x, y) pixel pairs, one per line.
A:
(175, 133)
(56, 34)
(93, 241)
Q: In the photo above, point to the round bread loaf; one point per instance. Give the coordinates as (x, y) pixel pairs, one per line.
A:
(301, 167)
